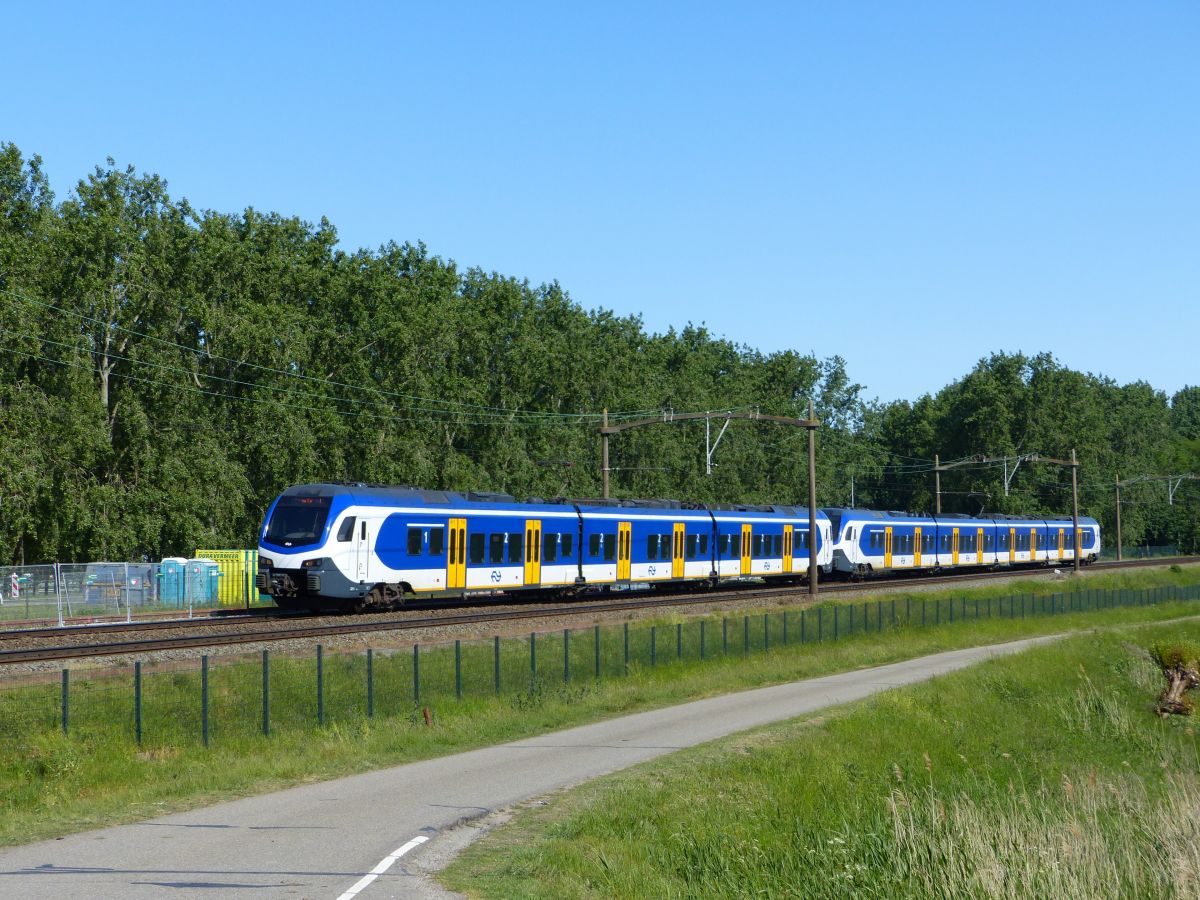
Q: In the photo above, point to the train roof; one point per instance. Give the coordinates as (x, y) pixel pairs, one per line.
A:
(407, 494)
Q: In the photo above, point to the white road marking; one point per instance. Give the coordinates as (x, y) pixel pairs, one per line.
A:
(384, 865)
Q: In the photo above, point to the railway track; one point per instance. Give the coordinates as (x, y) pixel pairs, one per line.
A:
(220, 630)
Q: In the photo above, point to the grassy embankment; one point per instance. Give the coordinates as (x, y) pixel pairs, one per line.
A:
(51, 784)
(1045, 774)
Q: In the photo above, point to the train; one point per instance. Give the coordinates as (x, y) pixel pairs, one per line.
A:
(360, 547)
(867, 542)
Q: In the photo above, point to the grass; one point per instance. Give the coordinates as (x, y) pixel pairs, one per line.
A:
(1045, 774)
(51, 784)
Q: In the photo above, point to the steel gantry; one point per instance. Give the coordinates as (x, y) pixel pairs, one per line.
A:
(810, 425)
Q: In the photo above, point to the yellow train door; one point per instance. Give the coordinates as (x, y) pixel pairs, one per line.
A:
(456, 555)
(1078, 540)
(979, 546)
(1062, 539)
(745, 549)
(887, 547)
(677, 551)
(1033, 543)
(1012, 545)
(787, 548)
(954, 547)
(917, 547)
(624, 543)
(533, 551)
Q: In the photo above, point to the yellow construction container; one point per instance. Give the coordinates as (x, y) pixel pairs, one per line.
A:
(236, 585)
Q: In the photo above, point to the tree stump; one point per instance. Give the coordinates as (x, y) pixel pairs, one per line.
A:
(1180, 664)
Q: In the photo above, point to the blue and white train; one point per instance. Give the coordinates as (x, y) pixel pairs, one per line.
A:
(356, 546)
(868, 542)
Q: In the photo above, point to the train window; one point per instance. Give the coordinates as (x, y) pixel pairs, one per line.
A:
(723, 546)
(568, 545)
(594, 545)
(704, 545)
(475, 546)
(549, 547)
(495, 548)
(516, 547)
(437, 540)
(347, 530)
(756, 545)
(804, 540)
(414, 542)
(652, 546)
(693, 542)
(610, 547)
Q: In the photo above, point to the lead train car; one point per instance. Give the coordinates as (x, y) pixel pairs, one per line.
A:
(867, 541)
(367, 546)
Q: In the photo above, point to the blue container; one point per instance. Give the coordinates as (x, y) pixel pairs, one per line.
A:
(172, 582)
(203, 580)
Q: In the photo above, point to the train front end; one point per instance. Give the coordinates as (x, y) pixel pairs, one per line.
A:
(297, 567)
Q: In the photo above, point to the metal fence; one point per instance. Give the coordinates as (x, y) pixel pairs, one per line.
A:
(233, 698)
(1140, 551)
(65, 592)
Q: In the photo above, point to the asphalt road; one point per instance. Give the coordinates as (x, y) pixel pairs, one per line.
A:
(324, 840)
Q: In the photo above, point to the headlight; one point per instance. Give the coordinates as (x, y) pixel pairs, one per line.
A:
(311, 563)
(265, 563)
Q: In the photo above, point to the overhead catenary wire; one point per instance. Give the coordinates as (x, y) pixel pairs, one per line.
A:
(451, 405)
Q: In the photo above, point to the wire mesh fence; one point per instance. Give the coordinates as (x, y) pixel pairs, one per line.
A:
(61, 593)
(186, 702)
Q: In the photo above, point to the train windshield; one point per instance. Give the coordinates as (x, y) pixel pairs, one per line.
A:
(298, 521)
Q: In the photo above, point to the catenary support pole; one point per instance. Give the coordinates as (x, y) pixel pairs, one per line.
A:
(1118, 518)
(812, 505)
(1075, 509)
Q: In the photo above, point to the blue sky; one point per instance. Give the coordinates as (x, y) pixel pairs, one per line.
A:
(911, 186)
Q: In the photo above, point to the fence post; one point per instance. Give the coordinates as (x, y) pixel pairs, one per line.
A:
(320, 685)
(137, 700)
(496, 661)
(58, 592)
(597, 642)
(370, 683)
(128, 611)
(66, 700)
(204, 699)
(416, 673)
(266, 693)
(566, 655)
(457, 669)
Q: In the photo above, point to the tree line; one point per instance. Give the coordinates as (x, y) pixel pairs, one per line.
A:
(165, 371)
